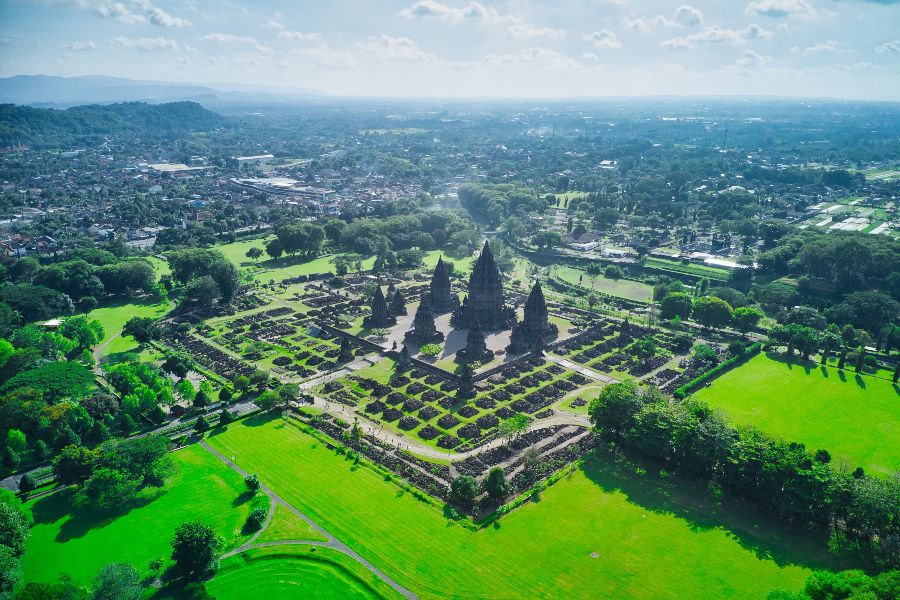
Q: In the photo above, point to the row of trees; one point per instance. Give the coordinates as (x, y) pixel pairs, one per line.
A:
(783, 477)
(709, 311)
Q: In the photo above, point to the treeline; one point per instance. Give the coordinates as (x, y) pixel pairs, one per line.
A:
(496, 202)
(48, 395)
(782, 477)
(207, 276)
(83, 124)
(31, 290)
(420, 228)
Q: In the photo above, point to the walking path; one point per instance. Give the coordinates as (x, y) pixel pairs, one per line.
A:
(332, 542)
(581, 369)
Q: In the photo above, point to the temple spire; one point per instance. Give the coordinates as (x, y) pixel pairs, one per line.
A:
(535, 324)
(440, 295)
(424, 330)
(380, 316)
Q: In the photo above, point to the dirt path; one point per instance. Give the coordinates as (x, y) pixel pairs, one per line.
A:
(332, 542)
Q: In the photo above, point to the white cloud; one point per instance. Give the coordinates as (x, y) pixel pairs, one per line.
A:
(779, 9)
(535, 56)
(81, 46)
(389, 48)
(121, 13)
(589, 57)
(474, 11)
(689, 16)
(828, 46)
(751, 58)
(717, 35)
(227, 38)
(889, 47)
(158, 16)
(9, 40)
(525, 31)
(146, 44)
(603, 38)
(273, 25)
(137, 12)
(299, 36)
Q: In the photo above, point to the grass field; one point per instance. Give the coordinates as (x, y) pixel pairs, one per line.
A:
(622, 288)
(602, 532)
(855, 419)
(287, 572)
(79, 542)
(286, 525)
(113, 317)
(690, 269)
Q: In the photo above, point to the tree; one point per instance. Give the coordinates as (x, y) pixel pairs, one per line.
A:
(109, 488)
(267, 400)
(202, 398)
(201, 425)
(142, 329)
(27, 484)
(745, 318)
(496, 485)
(86, 332)
(15, 440)
(615, 408)
(177, 363)
(10, 572)
(613, 272)
(676, 304)
(252, 483)
(13, 529)
(274, 249)
(195, 549)
(254, 253)
(202, 293)
(463, 490)
(225, 394)
(118, 581)
(547, 239)
(242, 383)
(74, 464)
(186, 390)
(592, 301)
(712, 312)
(514, 426)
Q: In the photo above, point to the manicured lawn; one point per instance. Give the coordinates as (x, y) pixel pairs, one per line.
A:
(114, 316)
(288, 572)
(380, 371)
(623, 288)
(79, 542)
(855, 419)
(602, 532)
(286, 525)
(690, 268)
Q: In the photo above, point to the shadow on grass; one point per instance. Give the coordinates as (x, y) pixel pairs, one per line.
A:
(261, 419)
(768, 538)
(83, 519)
(243, 498)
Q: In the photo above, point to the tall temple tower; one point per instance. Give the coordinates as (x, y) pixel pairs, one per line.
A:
(485, 300)
(535, 324)
(440, 294)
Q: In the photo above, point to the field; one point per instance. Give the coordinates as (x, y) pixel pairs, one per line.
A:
(113, 317)
(283, 572)
(689, 269)
(278, 270)
(855, 419)
(622, 288)
(603, 531)
(79, 542)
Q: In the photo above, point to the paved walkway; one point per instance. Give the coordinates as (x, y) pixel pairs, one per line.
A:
(581, 369)
(332, 542)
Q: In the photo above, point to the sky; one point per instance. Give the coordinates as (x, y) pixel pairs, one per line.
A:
(470, 48)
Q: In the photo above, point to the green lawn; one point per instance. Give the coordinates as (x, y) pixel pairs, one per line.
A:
(855, 419)
(602, 532)
(623, 288)
(79, 542)
(284, 268)
(113, 317)
(286, 525)
(288, 572)
(690, 268)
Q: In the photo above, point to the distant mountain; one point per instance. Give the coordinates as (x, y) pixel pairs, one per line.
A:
(47, 90)
(83, 124)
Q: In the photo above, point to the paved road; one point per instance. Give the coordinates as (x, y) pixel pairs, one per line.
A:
(332, 542)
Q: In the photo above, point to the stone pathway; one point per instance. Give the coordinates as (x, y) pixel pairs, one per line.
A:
(581, 369)
(332, 542)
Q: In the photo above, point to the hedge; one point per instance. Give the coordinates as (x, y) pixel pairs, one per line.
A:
(734, 361)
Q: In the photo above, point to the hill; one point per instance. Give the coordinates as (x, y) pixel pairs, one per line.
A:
(82, 124)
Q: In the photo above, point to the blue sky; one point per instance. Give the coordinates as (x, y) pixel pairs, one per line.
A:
(470, 48)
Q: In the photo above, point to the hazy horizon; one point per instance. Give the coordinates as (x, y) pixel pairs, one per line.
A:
(470, 49)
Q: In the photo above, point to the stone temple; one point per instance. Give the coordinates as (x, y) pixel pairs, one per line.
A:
(424, 330)
(439, 292)
(485, 301)
(381, 316)
(535, 325)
